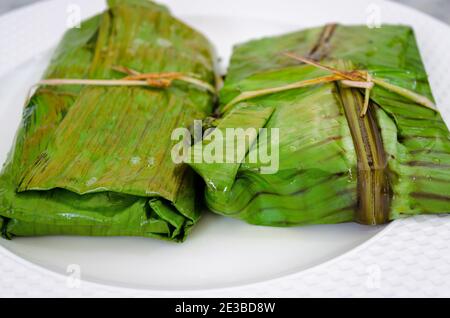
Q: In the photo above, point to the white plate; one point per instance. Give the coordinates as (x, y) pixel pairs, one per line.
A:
(220, 252)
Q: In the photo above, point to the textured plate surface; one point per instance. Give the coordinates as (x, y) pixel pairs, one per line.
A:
(409, 257)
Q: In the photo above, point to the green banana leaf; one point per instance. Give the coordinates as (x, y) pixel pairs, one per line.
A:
(93, 160)
(334, 166)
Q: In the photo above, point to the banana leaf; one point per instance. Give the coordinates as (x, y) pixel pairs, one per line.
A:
(334, 165)
(95, 160)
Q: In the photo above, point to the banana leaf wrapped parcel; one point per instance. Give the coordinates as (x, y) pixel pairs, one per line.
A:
(92, 154)
(357, 134)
